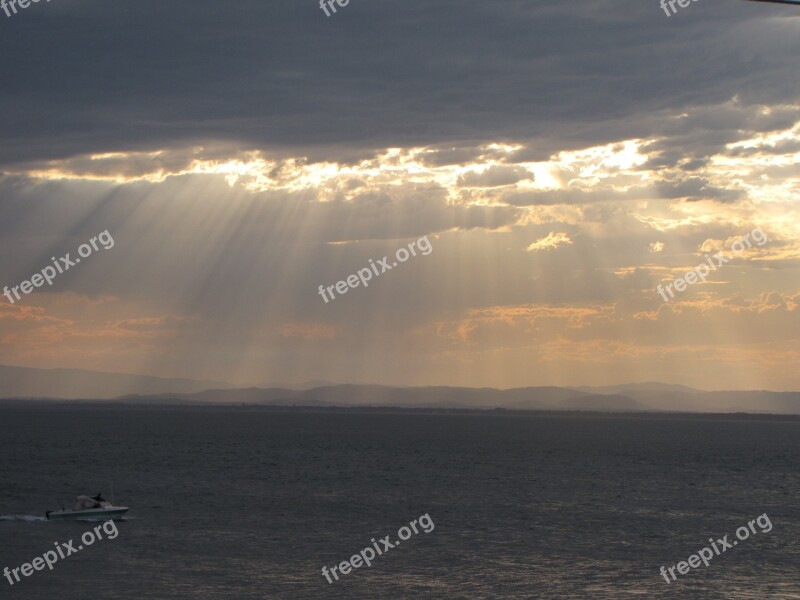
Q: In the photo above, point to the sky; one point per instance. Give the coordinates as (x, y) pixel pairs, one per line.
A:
(563, 160)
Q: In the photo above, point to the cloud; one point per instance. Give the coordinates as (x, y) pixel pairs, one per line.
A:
(551, 241)
(136, 75)
(67, 329)
(495, 176)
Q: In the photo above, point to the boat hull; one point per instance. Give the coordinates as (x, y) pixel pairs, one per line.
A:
(92, 514)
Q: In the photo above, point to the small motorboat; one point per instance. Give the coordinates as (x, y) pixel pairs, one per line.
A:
(96, 508)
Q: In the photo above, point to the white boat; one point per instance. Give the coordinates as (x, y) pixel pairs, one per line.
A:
(89, 508)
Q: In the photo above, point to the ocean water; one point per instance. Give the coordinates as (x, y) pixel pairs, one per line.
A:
(247, 503)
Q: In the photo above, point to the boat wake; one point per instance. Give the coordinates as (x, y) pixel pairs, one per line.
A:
(26, 518)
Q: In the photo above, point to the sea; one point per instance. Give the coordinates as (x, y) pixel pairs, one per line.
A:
(243, 502)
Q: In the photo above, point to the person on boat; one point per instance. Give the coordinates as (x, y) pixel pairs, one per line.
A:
(99, 497)
(85, 503)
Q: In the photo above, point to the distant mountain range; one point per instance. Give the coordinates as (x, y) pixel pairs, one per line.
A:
(65, 384)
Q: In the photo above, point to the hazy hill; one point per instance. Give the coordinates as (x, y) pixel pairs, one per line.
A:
(17, 382)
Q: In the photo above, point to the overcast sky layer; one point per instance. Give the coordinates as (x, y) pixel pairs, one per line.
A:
(563, 158)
